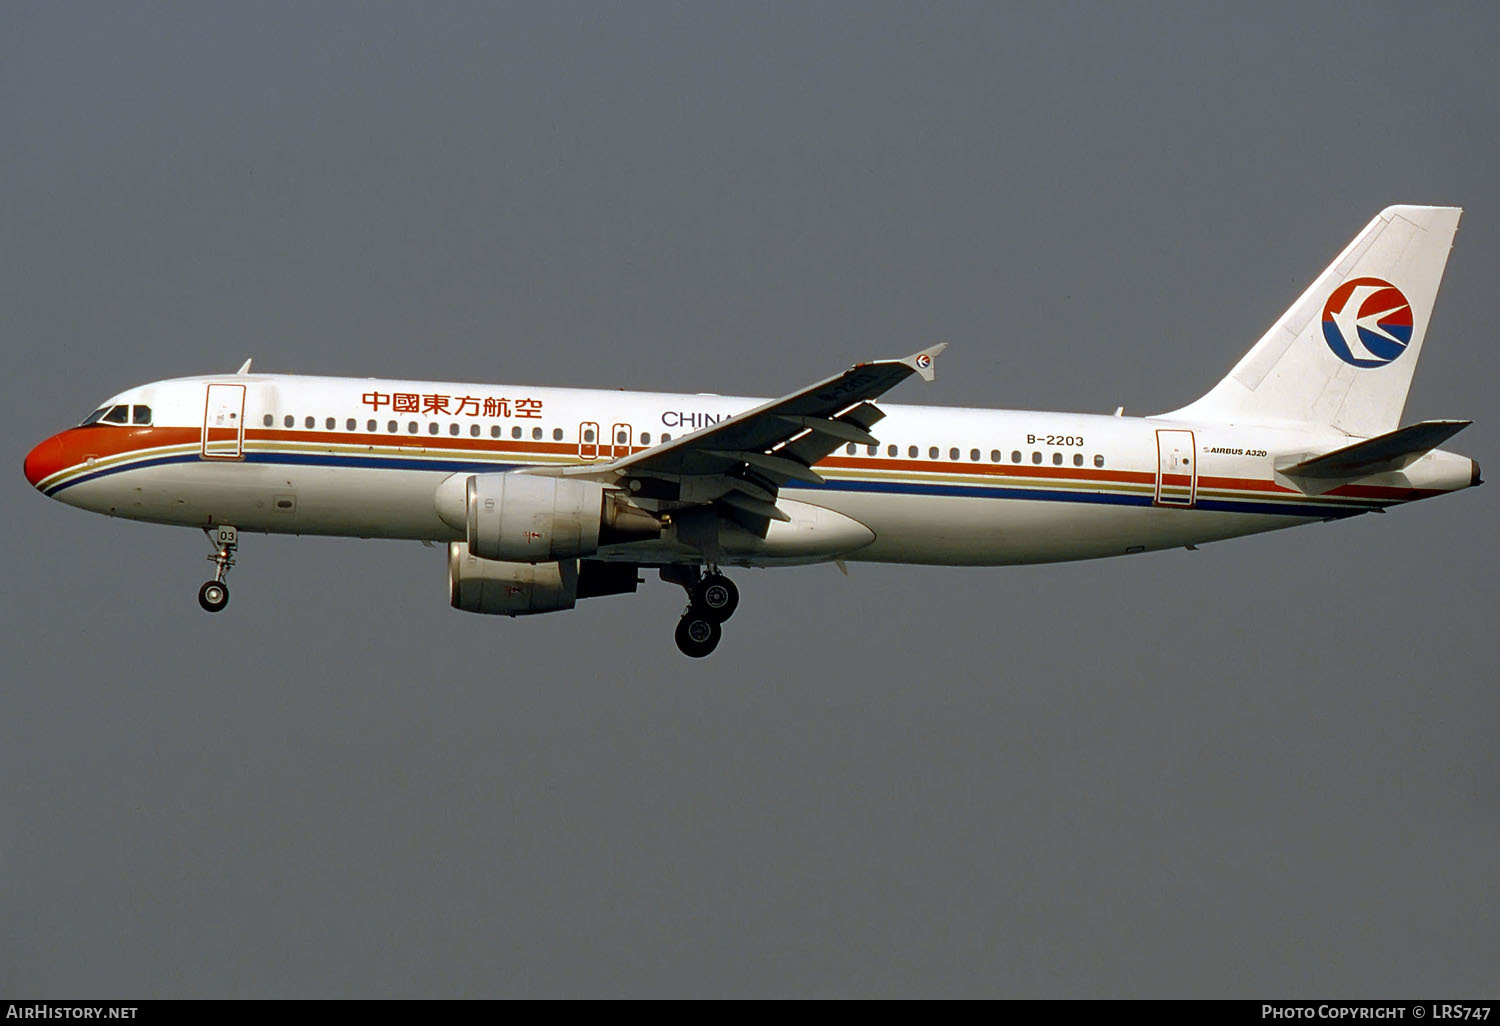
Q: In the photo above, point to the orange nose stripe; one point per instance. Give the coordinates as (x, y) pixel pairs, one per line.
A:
(45, 460)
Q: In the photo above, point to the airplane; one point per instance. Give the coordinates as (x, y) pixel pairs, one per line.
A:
(546, 496)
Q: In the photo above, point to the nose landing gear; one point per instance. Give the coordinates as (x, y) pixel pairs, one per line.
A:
(214, 595)
(712, 599)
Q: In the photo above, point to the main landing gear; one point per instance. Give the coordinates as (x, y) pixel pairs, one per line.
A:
(712, 599)
(214, 595)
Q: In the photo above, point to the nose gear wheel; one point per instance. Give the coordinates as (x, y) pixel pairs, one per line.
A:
(214, 595)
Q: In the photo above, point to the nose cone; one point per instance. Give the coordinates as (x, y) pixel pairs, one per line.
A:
(44, 461)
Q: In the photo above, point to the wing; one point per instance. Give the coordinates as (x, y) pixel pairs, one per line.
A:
(740, 464)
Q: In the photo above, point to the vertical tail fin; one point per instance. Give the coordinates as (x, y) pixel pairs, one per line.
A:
(1344, 353)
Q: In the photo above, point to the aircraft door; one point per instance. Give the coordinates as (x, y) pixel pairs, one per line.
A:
(620, 439)
(588, 440)
(224, 422)
(1176, 469)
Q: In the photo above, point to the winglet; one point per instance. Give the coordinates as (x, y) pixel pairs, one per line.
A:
(245, 367)
(922, 362)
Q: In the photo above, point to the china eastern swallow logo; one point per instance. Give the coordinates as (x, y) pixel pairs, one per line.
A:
(1367, 322)
(924, 361)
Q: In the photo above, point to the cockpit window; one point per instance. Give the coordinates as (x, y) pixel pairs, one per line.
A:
(121, 413)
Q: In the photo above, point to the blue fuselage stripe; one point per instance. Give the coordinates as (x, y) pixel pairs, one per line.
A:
(141, 464)
(316, 459)
(916, 488)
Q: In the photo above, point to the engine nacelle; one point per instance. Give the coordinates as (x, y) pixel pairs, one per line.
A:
(478, 585)
(527, 518)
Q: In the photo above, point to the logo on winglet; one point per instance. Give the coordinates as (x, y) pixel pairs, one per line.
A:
(1367, 322)
(924, 361)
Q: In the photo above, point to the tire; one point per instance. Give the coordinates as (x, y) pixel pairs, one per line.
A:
(697, 635)
(213, 596)
(716, 597)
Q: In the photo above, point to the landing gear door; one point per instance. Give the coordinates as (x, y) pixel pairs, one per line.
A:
(1176, 469)
(224, 422)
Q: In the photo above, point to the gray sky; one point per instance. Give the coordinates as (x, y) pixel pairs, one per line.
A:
(1268, 767)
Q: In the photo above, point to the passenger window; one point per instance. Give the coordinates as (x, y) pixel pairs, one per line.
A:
(1057, 459)
(994, 455)
(1098, 461)
(974, 455)
(1015, 455)
(432, 428)
(495, 431)
(536, 433)
(849, 449)
(1078, 459)
(268, 420)
(288, 421)
(912, 451)
(1036, 457)
(453, 429)
(665, 437)
(350, 424)
(309, 423)
(645, 438)
(953, 453)
(411, 427)
(329, 423)
(891, 450)
(872, 449)
(932, 453)
(620, 437)
(515, 432)
(370, 425)
(588, 435)
(140, 414)
(474, 430)
(557, 434)
(391, 426)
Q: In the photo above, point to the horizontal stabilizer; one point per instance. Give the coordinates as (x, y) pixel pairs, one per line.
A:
(1382, 454)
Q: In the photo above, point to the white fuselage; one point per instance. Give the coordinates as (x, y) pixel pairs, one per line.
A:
(366, 458)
